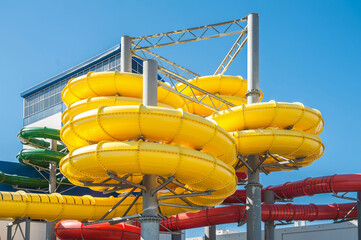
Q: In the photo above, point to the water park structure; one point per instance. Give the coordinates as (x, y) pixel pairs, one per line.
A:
(172, 145)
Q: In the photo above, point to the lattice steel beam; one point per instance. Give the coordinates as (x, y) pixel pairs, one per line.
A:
(174, 78)
(232, 54)
(167, 65)
(189, 35)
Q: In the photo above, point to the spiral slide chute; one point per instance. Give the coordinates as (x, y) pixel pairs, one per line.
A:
(70, 229)
(96, 102)
(34, 136)
(193, 149)
(112, 84)
(285, 132)
(39, 157)
(308, 187)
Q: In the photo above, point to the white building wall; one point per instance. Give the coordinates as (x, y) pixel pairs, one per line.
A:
(332, 231)
(37, 230)
(53, 121)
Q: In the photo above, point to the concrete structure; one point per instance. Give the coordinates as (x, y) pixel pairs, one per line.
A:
(332, 231)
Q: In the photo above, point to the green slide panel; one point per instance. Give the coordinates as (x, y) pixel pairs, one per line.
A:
(28, 182)
(29, 135)
(39, 157)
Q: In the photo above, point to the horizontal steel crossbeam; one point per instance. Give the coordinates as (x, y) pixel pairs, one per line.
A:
(189, 35)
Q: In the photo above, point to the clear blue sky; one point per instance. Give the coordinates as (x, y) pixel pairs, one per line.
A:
(310, 53)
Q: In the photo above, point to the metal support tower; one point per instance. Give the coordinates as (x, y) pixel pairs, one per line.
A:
(210, 233)
(269, 226)
(359, 215)
(125, 54)
(150, 220)
(253, 188)
(17, 222)
(50, 235)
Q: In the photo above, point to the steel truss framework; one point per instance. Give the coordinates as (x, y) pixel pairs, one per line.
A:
(174, 73)
(123, 183)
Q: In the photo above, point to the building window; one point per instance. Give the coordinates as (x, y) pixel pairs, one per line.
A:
(51, 95)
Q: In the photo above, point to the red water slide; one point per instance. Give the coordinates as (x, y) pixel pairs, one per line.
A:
(308, 187)
(74, 230)
(67, 230)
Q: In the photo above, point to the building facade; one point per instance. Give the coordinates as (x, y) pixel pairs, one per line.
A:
(42, 103)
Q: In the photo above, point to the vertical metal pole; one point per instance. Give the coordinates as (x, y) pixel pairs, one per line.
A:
(269, 226)
(27, 229)
(9, 232)
(253, 188)
(125, 54)
(210, 233)
(50, 235)
(359, 215)
(149, 220)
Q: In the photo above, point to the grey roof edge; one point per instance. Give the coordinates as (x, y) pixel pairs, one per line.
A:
(112, 51)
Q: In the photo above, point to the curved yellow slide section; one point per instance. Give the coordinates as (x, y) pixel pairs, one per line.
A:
(96, 102)
(270, 114)
(223, 85)
(104, 139)
(270, 132)
(199, 171)
(157, 124)
(115, 83)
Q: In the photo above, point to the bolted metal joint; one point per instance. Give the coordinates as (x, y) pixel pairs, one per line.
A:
(253, 91)
(150, 219)
(253, 185)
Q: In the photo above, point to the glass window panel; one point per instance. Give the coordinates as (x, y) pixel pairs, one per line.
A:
(46, 103)
(26, 112)
(41, 106)
(118, 68)
(31, 109)
(99, 67)
(26, 102)
(117, 60)
(46, 93)
(112, 62)
(51, 91)
(36, 107)
(140, 68)
(52, 101)
(134, 65)
(106, 65)
(57, 98)
(41, 96)
(92, 69)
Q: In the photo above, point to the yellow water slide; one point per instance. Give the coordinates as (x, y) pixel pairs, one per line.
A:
(108, 130)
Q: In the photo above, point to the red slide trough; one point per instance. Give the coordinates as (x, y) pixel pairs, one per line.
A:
(308, 187)
(68, 229)
(74, 230)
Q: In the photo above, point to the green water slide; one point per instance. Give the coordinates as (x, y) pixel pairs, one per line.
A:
(35, 136)
(40, 156)
(28, 182)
